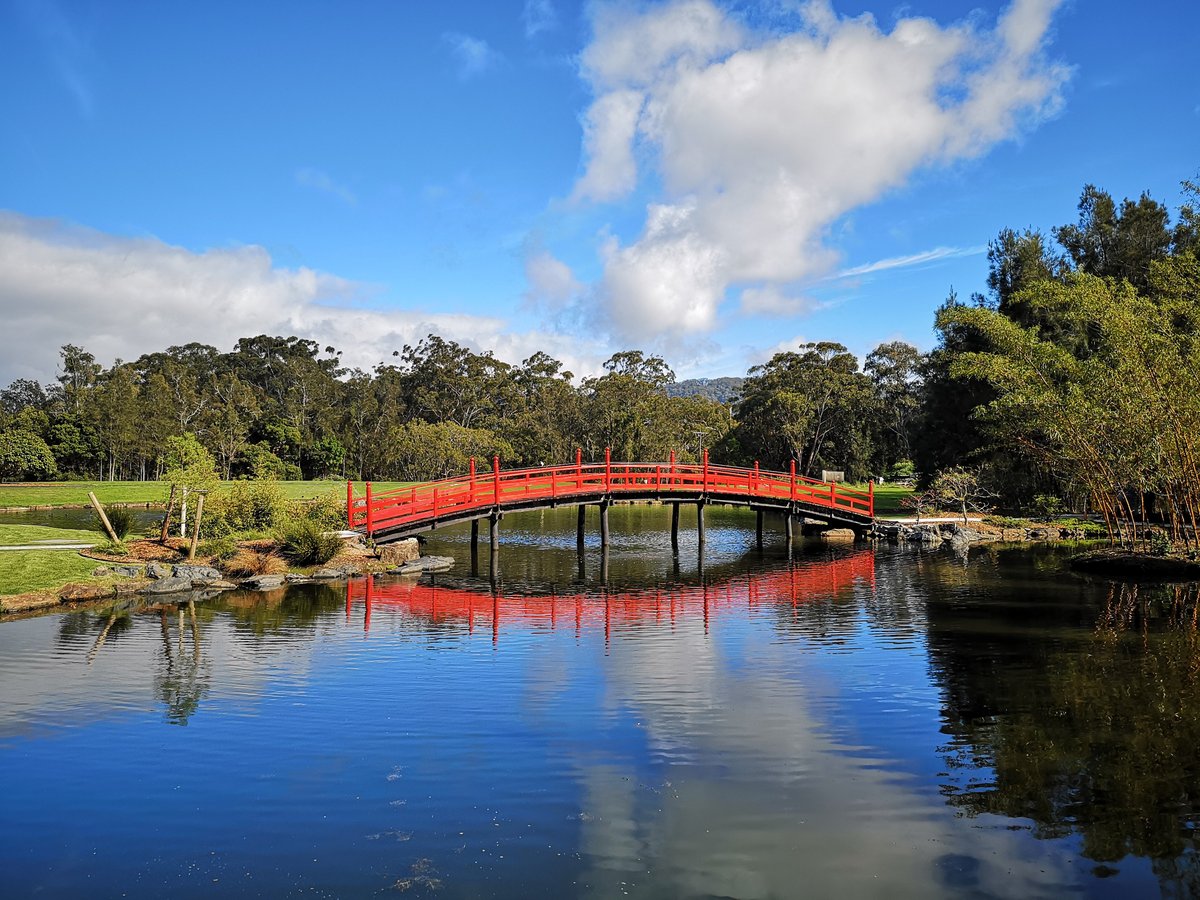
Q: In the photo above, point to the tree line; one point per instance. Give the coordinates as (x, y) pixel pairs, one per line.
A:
(1072, 378)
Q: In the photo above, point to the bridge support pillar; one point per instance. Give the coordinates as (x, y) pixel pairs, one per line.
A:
(474, 546)
(604, 524)
(494, 532)
(580, 520)
(700, 522)
(758, 528)
(789, 530)
(675, 528)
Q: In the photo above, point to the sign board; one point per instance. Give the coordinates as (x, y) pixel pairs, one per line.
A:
(829, 475)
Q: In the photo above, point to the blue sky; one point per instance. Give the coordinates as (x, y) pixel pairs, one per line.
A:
(697, 179)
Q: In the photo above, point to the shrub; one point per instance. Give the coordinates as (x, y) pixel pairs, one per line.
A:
(328, 511)
(305, 544)
(247, 562)
(121, 520)
(244, 506)
(111, 548)
(1047, 506)
(1158, 542)
(1005, 522)
(25, 455)
(218, 548)
(903, 468)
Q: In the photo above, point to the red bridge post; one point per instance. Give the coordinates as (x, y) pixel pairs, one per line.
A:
(833, 494)
(608, 470)
(871, 498)
(579, 468)
(754, 490)
(370, 512)
(496, 478)
(793, 481)
(472, 479)
(671, 481)
(705, 456)
(350, 505)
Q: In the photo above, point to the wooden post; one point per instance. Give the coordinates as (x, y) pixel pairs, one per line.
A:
(793, 481)
(788, 526)
(871, 498)
(473, 484)
(607, 470)
(700, 521)
(162, 539)
(112, 535)
(349, 504)
(675, 528)
(579, 469)
(494, 530)
(758, 528)
(196, 528)
(672, 481)
(580, 518)
(474, 544)
(604, 524)
(496, 478)
(705, 471)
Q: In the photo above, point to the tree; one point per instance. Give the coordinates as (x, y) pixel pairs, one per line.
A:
(1120, 243)
(894, 368)
(811, 406)
(24, 456)
(961, 487)
(192, 468)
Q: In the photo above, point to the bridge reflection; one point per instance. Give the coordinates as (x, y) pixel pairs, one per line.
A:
(795, 584)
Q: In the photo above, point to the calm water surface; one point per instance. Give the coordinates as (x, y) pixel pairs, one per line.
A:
(850, 723)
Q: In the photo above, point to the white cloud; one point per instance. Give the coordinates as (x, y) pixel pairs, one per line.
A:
(760, 142)
(915, 259)
(771, 300)
(552, 284)
(122, 297)
(538, 16)
(320, 181)
(472, 54)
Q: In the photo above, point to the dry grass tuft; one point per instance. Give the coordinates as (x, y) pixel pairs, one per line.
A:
(248, 562)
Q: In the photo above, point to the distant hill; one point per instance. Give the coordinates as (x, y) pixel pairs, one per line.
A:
(723, 390)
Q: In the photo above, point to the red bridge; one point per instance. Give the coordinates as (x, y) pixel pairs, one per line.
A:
(407, 511)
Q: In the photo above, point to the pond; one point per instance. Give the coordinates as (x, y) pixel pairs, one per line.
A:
(851, 721)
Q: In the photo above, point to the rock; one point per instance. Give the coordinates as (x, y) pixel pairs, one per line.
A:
(923, 534)
(196, 573)
(221, 585)
(129, 587)
(71, 592)
(426, 564)
(263, 582)
(169, 585)
(400, 552)
(159, 570)
(295, 578)
(328, 573)
(1038, 534)
(100, 571)
(127, 571)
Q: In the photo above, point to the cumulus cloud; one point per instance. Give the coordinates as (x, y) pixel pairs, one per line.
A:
(760, 141)
(552, 284)
(472, 54)
(120, 297)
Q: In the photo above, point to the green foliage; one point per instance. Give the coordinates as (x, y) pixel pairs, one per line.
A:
(422, 451)
(1158, 542)
(219, 548)
(1047, 506)
(121, 520)
(112, 548)
(902, 468)
(304, 543)
(1006, 522)
(24, 456)
(328, 511)
(244, 506)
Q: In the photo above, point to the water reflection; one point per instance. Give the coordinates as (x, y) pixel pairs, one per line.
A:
(1090, 732)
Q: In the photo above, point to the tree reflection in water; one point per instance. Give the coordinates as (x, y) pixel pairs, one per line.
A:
(1097, 736)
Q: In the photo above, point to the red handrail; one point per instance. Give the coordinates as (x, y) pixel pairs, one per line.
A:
(381, 511)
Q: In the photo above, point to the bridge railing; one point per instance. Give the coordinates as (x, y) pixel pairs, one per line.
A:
(483, 491)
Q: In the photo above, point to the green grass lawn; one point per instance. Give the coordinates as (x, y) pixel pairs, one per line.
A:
(74, 493)
(36, 570)
(887, 498)
(28, 534)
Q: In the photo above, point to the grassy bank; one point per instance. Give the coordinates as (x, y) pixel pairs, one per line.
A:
(30, 534)
(887, 498)
(74, 493)
(37, 570)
